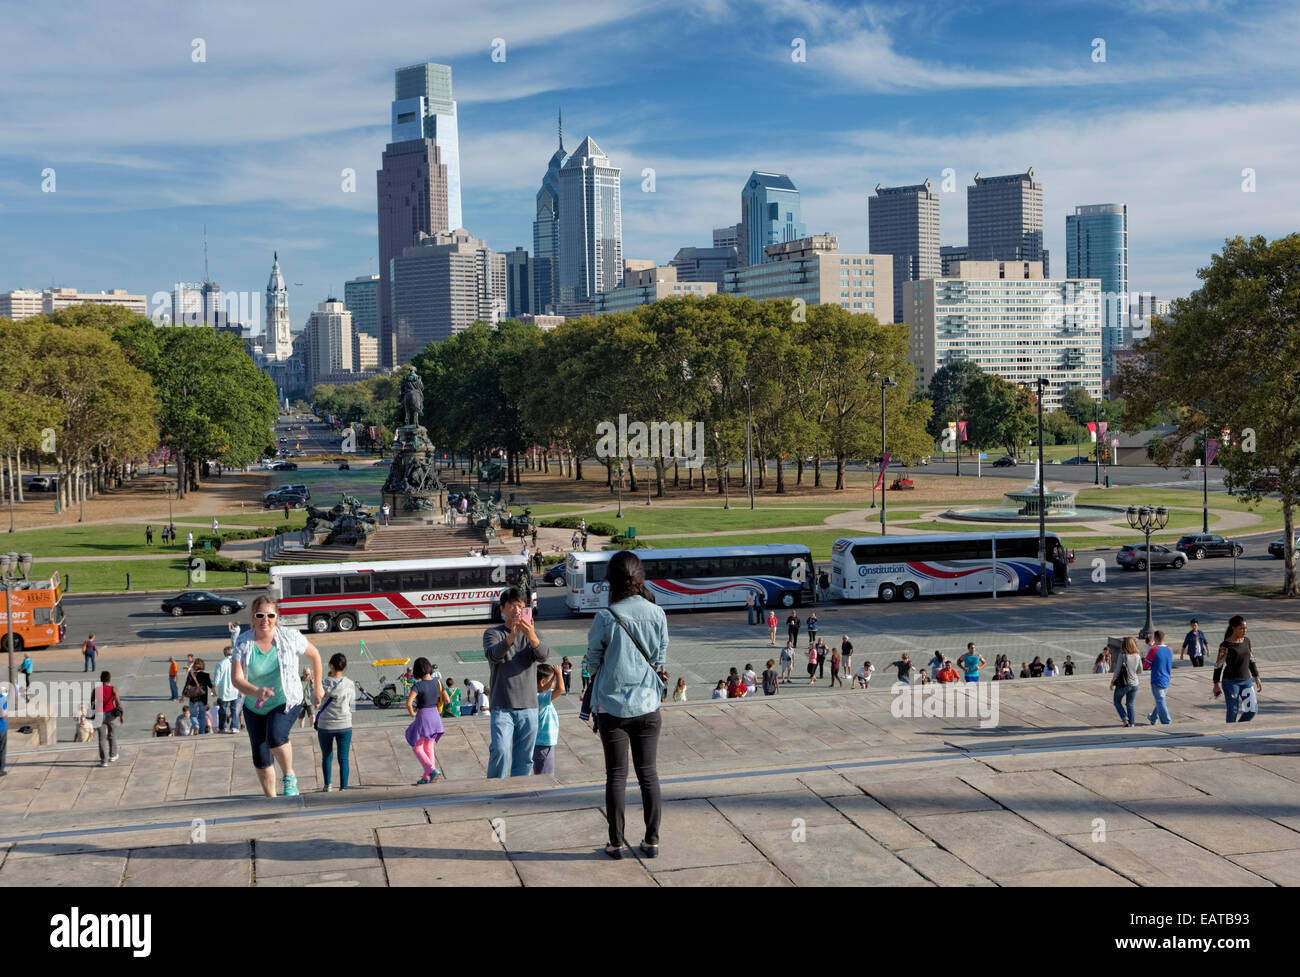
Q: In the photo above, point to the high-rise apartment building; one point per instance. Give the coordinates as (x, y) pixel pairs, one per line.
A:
(519, 283)
(423, 108)
(1004, 219)
(904, 222)
(197, 304)
(1096, 246)
(499, 287)
(546, 234)
(329, 343)
(24, 303)
(361, 296)
(21, 303)
(442, 285)
(644, 286)
(727, 237)
(1009, 320)
(277, 344)
(815, 270)
(769, 214)
(591, 224)
(412, 196)
(365, 351)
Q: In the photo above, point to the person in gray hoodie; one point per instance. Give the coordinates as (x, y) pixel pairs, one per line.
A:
(513, 651)
(334, 721)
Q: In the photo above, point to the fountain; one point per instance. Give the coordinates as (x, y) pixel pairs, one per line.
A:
(1058, 506)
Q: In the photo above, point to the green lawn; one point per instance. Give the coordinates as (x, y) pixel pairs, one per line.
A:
(95, 577)
(664, 520)
(126, 539)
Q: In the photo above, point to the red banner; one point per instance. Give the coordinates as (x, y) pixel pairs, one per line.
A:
(884, 463)
(1211, 451)
(961, 431)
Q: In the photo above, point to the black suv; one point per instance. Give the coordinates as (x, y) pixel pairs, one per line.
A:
(1201, 545)
(1277, 548)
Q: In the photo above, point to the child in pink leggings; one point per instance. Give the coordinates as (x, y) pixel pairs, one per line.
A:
(425, 703)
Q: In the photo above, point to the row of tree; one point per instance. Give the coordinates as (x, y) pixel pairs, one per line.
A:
(91, 391)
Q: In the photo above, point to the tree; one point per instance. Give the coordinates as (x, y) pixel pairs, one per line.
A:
(999, 417)
(948, 389)
(1229, 356)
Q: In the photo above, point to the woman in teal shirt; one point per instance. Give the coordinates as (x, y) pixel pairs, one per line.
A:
(626, 661)
(264, 666)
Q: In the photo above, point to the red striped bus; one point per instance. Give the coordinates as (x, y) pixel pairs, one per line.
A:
(346, 596)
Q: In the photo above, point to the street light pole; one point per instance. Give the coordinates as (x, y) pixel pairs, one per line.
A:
(1042, 501)
(1147, 518)
(1205, 481)
(749, 450)
(957, 433)
(1096, 429)
(620, 490)
(884, 383)
(11, 565)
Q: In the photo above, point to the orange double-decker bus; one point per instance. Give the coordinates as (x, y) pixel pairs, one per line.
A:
(37, 614)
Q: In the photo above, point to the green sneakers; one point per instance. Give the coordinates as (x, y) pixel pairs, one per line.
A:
(290, 785)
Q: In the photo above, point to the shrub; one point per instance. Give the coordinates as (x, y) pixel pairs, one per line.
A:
(228, 536)
(571, 522)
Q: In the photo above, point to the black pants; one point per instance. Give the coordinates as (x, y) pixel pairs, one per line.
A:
(642, 734)
(1198, 661)
(4, 742)
(821, 666)
(794, 636)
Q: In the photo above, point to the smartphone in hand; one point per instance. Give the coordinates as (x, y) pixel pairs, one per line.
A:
(527, 615)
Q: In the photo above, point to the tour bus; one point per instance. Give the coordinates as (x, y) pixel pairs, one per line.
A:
(908, 567)
(38, 620)
(347, 596)
(702, 576)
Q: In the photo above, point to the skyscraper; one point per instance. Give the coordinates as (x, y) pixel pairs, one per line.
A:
(1004, 219)
(769, 214)
(278, 343)
(412, 192)
(361, 296)
(1096, 246)
(442, 284)
(591, 225)
(424, 109)
(904, 222)
(519, 283)
(546, 233)
(329, 342)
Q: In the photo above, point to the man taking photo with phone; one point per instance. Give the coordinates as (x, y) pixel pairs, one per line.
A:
(513, 650)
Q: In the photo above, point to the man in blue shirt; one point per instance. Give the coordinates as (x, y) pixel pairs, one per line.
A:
(1162, 663)
(1195, 645)
(4, 731)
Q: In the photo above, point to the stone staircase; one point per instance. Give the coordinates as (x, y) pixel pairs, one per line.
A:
(399, 541)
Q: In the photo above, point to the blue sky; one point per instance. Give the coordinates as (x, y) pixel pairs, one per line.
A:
(148, 146)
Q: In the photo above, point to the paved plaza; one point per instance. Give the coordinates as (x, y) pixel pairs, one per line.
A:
(830, 788)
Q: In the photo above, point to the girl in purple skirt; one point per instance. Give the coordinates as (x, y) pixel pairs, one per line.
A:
(425, 703)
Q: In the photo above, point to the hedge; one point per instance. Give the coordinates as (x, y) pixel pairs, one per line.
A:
(571, 522)
(228, 536)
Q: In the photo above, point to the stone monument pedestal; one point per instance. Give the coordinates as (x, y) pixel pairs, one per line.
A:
(412, 485)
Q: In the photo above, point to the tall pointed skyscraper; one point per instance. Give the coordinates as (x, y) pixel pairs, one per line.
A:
(591, 224)
(278, 344)
(546, 232)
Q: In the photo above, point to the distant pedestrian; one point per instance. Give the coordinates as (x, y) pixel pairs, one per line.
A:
(935, 663)
(88, 651)
(1235, 671)
(584, 541)
(835, 667)
(863, 674)
(1068, 668)
(585, 675)
(566, 669)
(812, 664)
(385, 509)
(1195, 645)
(811, 625)
(197, 685)
(1162, 664)
(26, 668)
(226, 694)
(821, 657)
(108, 713)
(232, 629)
(771, 681)
(525, 553)
(1003, 672)
(1036, 666)
(846, 655)
(792, 628)
(1099, 667)
(582, 524)
(736, 686)
(148, 535)
(184, 725)
(905, 668)
(573, 541)
(216, 527)
(679, 693)
(823, 586)
(161, 726)
(286, 511)
(720, 690)
(1024, 670)
(787, 661)
(537, 567)
(308, 711)
(451, 708)
(1050, 670)
(539, 558)
(751, 611)
(971, 662)
(550, 682)
(189, 542)
(4, 729)
(1125, 682)
(172, 671)
(771, 627)
(334, 721)
(750, 678)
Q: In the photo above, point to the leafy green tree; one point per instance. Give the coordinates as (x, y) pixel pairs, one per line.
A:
(949, 389)
(1228, 357)
(997, 415)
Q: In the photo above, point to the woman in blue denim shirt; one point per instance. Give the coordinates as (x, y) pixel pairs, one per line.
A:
(628, 688)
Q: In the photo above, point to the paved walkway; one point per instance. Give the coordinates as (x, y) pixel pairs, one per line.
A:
(841, 789)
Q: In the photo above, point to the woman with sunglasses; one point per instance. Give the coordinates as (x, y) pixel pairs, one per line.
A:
(265, 668)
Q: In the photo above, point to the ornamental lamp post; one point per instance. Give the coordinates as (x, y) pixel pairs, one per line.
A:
(1147, 518)
(12, 566)
(886, 382)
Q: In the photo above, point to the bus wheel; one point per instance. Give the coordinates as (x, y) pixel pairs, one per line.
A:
(787, 599)
(18, 642)
(909, 591)
(887, 592)
(320, 624)
(346, 622)
(1043, 585)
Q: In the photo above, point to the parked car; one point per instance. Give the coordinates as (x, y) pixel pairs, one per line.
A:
(299, 489)
(1078, 460)
(200, 602)
(278, 499)
(1277, 548)
(284, 466)
(1006, 462)
(554, 575)
(345, 467)
(43, 483)
(1134, 556)
(1200, 545)
(383, 463)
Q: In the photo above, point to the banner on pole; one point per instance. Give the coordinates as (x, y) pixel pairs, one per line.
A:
(884, 463)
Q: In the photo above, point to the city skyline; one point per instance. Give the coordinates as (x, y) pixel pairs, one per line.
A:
(265, 174)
